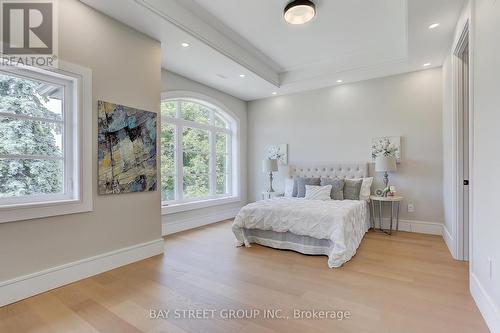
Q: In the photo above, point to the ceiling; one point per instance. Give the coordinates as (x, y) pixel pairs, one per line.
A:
(348, 40)
(341, 29)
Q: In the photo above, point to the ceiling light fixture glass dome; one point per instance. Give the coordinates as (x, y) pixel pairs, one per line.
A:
(299, 11)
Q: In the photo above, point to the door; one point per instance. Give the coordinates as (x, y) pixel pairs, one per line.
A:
(465, 148)
(462, 103)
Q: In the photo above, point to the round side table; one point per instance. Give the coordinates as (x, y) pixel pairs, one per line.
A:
(394, 201)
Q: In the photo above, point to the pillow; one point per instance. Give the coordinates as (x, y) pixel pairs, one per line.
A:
(337, 187)
(366, 188)
(352, 188)
(301, 185)
(295, 188)
(289, 184)
(318, 192)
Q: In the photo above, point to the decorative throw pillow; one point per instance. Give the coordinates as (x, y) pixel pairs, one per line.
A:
(295, 188)
(301, 185)
(337, 187)
(289, 183)
(366, 188)
(352, 188)
(318, 192)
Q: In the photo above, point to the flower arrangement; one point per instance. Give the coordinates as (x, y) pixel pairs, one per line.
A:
(386, 146)
(278, 152)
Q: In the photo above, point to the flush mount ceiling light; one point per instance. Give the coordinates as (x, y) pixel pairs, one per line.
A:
(274, 93)
(242, 76)
(299, 11)
(340, 81)
(434, 26)
(427, 64)
(185, 44)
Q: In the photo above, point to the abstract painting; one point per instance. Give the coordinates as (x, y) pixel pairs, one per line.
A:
(126, 149)
(278, 152)
(386, 146)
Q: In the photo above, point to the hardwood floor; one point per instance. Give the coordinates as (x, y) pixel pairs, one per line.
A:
(401, 283)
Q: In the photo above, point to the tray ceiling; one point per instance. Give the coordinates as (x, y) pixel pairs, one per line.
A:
(347, 40)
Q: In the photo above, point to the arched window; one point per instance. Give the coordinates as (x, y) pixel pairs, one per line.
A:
(198, 150)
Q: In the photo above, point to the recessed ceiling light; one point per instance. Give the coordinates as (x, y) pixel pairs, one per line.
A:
(427, 64)
(339, 81)
(434, 25)
(299, 11)
(242, 75)
(274, 93)
(185, 44)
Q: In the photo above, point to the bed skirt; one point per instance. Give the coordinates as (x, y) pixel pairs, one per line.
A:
(288, 241)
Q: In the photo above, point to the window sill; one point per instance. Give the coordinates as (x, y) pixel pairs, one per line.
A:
(29, 211)
(187, 206)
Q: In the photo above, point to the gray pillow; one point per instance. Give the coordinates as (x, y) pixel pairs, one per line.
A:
(337, 187)
(301, 185)
(352, 189)
(295, 188)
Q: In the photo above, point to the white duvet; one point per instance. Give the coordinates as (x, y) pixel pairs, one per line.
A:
(344, 222)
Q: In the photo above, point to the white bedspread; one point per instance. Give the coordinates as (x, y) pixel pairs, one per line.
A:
(343, 222)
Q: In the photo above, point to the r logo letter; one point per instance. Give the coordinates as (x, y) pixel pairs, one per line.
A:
(35, 21)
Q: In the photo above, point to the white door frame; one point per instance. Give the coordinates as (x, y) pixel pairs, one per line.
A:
(464, 40)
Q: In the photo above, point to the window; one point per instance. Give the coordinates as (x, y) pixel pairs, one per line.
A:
(41, 143)
(197, 152)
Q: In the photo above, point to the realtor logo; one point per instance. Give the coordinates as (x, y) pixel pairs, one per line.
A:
(28, 31)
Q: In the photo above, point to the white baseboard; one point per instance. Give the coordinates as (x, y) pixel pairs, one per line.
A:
(448, 239)
(422, 227)
(171, 227)
(487, 307)
(32, 284)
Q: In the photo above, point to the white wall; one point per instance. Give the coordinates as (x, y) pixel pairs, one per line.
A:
(485, 228)
(126, 70)
(193, 218)
(338, 123)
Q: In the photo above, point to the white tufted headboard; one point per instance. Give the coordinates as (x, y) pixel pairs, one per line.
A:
(340, 170)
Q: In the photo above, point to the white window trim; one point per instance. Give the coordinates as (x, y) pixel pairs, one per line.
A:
(171, 207)
(82, 133)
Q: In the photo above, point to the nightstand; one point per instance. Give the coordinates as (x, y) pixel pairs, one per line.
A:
(271, 195)
(394, 201)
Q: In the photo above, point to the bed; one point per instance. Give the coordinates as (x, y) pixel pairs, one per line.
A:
(333, 228)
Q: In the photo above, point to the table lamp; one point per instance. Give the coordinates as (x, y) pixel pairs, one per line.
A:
(269, 166)
(385, 164)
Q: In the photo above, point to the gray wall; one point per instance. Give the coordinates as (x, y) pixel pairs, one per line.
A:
(338, 123)
(126, 70)
(485, 224)
(172, 82)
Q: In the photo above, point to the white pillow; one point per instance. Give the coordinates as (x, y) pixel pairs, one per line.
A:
(318, 192)
(289, 187)
(366, 186)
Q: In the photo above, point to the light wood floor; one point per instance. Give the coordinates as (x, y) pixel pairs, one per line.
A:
(401, 283)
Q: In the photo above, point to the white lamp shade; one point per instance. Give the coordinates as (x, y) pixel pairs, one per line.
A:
(269, 166)
(385, 164)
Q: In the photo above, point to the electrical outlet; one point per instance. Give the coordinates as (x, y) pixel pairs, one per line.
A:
(490, 263)
(411, 208)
